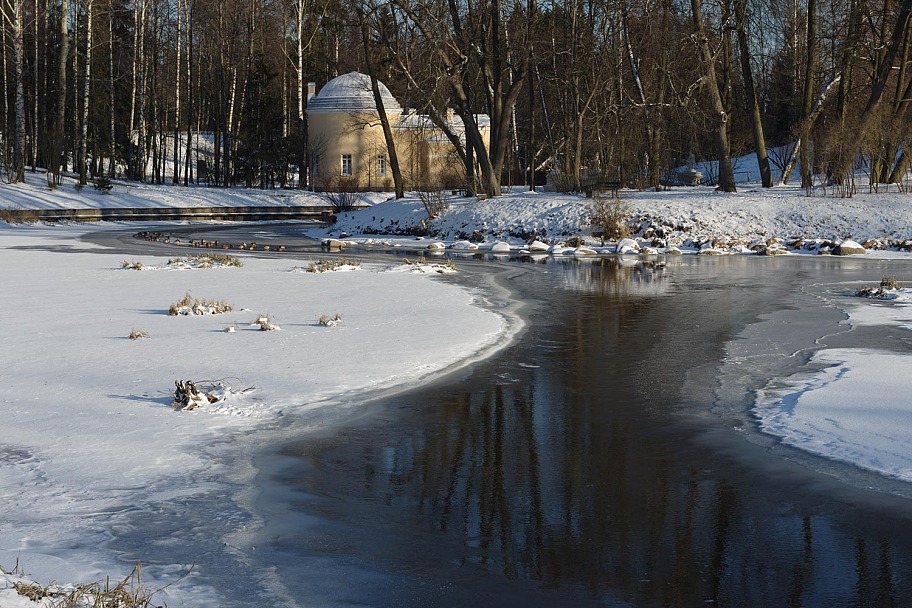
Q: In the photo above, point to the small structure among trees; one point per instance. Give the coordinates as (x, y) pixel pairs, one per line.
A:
(350, 152)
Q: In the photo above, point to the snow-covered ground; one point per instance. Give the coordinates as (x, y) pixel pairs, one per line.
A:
(88, 431)
(687, 217)
(35, 194)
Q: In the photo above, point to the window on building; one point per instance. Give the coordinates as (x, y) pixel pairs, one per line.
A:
(381, 165)
(315, 164)
(346, 164)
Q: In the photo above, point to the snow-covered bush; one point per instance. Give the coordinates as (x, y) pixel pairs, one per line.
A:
(136, 334)
(435, 202)
(612, 215)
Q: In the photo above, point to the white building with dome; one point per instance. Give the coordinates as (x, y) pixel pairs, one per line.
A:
(348, 150)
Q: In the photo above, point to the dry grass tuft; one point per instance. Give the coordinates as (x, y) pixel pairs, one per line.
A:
(265, 323)
(327, 321)
(448, 266)
(131, 265)
(331, 265)
(136, 334)
(208, 260)
(128, 593)
(16, 216)
(887, 284)
(188, 305)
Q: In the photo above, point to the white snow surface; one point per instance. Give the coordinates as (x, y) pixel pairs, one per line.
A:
(87, 428)
(35, 194)
(856, 408)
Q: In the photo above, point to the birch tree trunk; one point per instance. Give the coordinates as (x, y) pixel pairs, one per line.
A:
(141, 95)
(36, 78)
(304, 163)
(15, 14)
(175, 179)
(112, 146)
(189, 5)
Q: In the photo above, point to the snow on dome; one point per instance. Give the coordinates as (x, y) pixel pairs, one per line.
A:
(351, 92)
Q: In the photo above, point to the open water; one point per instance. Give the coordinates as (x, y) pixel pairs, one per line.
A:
(609, 458)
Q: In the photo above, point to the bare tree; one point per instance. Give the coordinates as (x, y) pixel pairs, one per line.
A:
(750, 91)
(720, 127)
(364, 12)
(808, 96)
(469, 41)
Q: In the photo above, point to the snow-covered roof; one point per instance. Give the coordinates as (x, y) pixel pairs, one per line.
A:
(423, 121)
(351, 93)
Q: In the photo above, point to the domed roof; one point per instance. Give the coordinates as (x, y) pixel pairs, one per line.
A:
(351, 93)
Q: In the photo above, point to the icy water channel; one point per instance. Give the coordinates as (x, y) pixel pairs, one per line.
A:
(608, 458)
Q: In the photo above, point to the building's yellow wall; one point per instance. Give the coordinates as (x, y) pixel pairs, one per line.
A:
(333, 134)
(423, 164)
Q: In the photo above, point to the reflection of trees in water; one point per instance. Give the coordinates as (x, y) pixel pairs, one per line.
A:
(614, 276)
(559, 475)
(576, 474)
(571, 498)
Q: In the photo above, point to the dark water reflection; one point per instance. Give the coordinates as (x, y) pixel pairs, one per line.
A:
(582, 466)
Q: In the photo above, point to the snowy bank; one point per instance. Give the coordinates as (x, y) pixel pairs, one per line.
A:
(89, 435)
(693, 218)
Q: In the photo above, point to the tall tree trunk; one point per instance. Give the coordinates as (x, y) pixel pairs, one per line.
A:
(804, 145)
(304, 161)
(381, 111)
(818, 106)
(112, 146)
(178, 74)
(37, 77)
(753, 106)
(886, 67)
(188, 170)
(14, 15)
(726, 173)
(59, 152)
(86, 95)
(140, 90)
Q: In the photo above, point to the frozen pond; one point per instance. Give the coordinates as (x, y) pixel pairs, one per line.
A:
(610, 458)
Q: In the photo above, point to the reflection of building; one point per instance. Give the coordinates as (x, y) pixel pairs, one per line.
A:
(348, 150)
